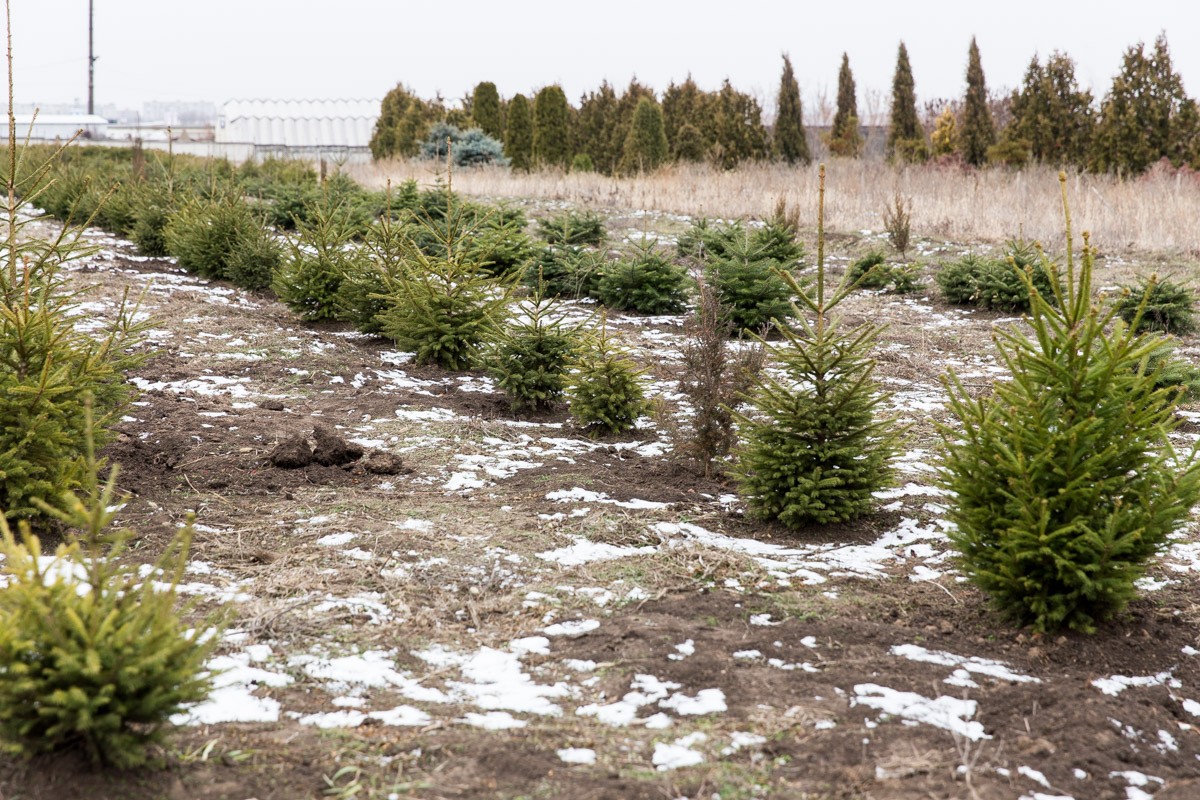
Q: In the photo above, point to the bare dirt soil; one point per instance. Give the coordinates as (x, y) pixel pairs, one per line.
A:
(434, 598)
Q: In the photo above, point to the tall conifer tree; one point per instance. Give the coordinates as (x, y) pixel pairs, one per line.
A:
(845, 139)
(790, 143)
(1051, 116)
(552, 128)
(626, 106)
(646, 142)
(597, 121)
(739, 132)
(689, 126)
(906, 139)
(518, 135)
(1136, 118)
(978, 132)
(486, 112)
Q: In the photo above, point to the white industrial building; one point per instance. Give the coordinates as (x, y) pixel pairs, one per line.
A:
(298, 124)
(61, 126)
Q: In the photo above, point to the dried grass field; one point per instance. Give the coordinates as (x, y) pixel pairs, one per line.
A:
(490, 606)
(1156, 212)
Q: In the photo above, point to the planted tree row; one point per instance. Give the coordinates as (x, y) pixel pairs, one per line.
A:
(1146, 116)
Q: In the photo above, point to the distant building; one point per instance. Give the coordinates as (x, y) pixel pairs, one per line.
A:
(61, 126)
(298, 124)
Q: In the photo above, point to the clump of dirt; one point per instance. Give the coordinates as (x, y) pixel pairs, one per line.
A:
(324, 446)
(380, 462)
(292, 453)
(331, 450)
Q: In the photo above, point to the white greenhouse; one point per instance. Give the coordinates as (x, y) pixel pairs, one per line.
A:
(61, 126)
(299, 124)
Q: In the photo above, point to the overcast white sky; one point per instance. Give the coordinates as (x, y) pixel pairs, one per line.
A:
(218, 50)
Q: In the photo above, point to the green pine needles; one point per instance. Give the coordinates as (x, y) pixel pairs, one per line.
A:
(443, 307)
(1159, 305)
(1065, 478)
(99, 670)
(319, 259)
(223, 238)
(49, 370)
(813, 449)
(605, 390)
(645, 281)
(532, 356)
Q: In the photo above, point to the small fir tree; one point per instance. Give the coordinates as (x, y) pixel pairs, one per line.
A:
(790, 141)
(645, 281)
(320, 257)
(870, 272)
(444, 307)
(486, 111)
(223, 238)
(605, 389)
(1065, 479)
(566, 271)
(531, 356)
(813, 448)
(905, 138)
(469, 148)
(518, 134)
(646, 143)
(100, 670)
(363, 291)
(978, 131)
(845, 138)
(552, 128)
(51, 372)
(751, 288)
(1159, 305)
(573, 228)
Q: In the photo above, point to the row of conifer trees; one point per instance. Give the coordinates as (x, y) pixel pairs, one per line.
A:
(1145, 117)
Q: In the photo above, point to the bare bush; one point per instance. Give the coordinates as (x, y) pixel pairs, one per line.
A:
(715, 378)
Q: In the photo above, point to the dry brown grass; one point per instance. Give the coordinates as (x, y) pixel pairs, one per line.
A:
(1157, 212)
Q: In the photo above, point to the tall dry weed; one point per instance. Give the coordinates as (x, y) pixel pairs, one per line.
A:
(1155, 212)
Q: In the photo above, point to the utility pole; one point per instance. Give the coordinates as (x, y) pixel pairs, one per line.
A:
(91, 65)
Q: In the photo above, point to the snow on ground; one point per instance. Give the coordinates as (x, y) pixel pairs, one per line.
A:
(506, 686)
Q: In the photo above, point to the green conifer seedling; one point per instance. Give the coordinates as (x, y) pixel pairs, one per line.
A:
(814, 449)
(50, 369)
(1064, 478)
(644, 281)
(319, 259)
(531, 357)
(443, 307)
(96, 656)
(605, 390)
(1159, 305)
